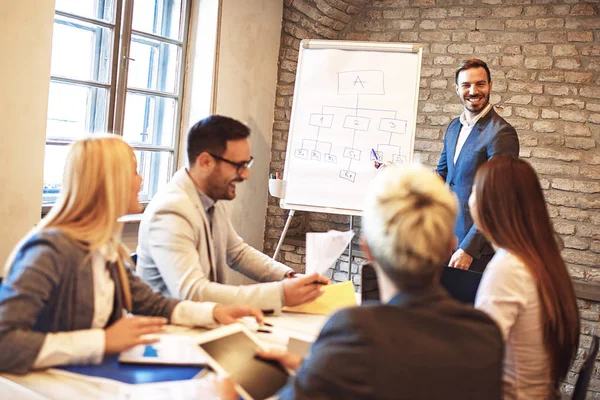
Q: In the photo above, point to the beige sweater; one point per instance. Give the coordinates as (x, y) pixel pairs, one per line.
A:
(180, 257)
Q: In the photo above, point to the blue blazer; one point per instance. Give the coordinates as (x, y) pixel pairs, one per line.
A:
(490, 136)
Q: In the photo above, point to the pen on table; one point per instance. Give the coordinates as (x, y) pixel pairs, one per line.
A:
(376, 158)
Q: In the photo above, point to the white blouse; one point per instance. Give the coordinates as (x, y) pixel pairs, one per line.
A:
(508, 293)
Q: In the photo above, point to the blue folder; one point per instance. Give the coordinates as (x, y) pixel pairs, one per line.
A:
(134, 373)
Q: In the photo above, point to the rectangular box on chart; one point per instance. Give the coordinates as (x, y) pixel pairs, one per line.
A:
(352, 153)
(399, 159)
(392, 125)
(301, 153)
(321, 120)
(315, 155)
(348, 175)
(357, 123)
(330, 158)
(379, 156)
(361, 82)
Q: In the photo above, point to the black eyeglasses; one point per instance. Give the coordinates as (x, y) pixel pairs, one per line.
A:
(239, 165)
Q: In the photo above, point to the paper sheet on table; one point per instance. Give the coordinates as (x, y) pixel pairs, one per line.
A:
(335, 296)
(324, 248)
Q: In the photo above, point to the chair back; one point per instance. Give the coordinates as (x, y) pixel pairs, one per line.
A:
(583, 380)
(369, 288)
(461, 284)
(134, 259)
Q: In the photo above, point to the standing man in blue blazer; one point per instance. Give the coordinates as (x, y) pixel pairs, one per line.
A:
(470, 140)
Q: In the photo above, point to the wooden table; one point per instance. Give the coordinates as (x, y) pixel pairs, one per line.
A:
(56, 384)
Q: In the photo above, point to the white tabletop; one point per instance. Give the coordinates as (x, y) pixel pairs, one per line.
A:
(59, 385)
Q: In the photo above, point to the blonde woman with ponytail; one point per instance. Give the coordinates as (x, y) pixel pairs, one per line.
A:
(67, 284)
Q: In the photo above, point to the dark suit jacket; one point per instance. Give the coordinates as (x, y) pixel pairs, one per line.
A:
(490, 136)
(419, 346)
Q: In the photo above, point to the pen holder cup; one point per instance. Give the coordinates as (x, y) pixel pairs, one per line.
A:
(277, 188)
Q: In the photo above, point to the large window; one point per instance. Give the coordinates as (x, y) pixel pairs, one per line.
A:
(117, 66)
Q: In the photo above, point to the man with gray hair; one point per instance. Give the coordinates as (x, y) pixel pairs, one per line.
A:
(419, 343)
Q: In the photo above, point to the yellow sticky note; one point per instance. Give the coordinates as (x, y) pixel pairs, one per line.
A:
(335, 296)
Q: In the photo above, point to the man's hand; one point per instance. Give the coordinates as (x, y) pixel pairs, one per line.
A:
(287, 360)
(127, 332)
(460, 259)
(229, 314)
(302, 290)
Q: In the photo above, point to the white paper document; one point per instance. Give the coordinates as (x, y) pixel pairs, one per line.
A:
(324, 248)
(170, 350)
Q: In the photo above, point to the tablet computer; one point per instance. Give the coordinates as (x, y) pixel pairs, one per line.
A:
(169, 350)
(232, 350)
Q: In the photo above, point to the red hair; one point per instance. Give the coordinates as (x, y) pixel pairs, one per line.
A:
(513, 215)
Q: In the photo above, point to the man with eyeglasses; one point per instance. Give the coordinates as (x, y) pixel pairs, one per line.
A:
(187, 243)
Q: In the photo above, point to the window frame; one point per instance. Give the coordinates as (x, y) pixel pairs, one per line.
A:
(117, 87)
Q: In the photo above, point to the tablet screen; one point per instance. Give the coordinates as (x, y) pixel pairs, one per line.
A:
(236, 354)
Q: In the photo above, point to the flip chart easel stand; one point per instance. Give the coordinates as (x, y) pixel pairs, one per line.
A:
(285, 229)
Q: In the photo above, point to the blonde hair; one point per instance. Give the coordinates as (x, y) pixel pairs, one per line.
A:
(408, 223)
(95, 192)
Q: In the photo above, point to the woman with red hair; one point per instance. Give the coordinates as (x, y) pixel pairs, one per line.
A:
(526, 287)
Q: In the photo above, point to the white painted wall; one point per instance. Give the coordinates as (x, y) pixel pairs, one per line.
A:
(200, 74)
(249, 41)
(26, 43)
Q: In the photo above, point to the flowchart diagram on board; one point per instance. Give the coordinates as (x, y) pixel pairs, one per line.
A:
(350, 108)
(353, 121)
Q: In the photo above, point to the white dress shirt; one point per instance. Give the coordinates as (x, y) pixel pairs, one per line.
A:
(467, 127)
(87, 346)
(508, 293)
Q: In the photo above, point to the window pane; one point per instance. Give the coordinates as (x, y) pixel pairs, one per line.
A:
(155, 169)
(149, 120)
(81, 50)
(155, 66)
(54, 163)
(160, 17)
(97, 9)
(74, 110)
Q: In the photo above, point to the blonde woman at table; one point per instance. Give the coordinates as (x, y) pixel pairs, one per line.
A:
(526, 287)
(419, 343)
(67, 284)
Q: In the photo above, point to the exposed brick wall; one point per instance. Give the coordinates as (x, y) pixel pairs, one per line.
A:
(544, 57)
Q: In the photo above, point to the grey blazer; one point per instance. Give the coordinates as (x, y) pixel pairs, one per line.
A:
(490, 136)
(49, 290)
(418, 346)
(180, 256)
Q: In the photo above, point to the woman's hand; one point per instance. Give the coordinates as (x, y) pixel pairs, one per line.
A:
(229, 314)
(128, 332)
